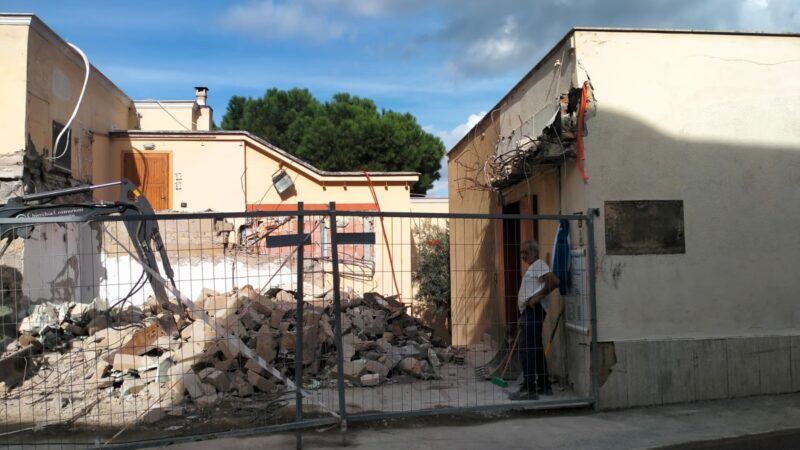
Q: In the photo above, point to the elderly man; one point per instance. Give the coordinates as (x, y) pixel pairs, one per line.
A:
(532, 301)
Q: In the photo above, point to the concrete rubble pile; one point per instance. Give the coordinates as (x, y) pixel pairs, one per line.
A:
(125, 352)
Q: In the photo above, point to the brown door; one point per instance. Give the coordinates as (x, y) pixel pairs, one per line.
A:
(150, 172)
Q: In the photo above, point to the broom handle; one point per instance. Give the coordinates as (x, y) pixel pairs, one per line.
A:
(510, 354)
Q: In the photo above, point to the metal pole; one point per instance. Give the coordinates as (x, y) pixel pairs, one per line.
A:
(337, 316)
(593, 305)
(298, 351)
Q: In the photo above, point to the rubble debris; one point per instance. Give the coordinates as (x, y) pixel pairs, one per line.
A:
(127, 353)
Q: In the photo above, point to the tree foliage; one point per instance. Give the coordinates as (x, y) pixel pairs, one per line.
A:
(347, 133)
(433, 273)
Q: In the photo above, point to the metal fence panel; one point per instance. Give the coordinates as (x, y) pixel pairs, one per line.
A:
(401, 314)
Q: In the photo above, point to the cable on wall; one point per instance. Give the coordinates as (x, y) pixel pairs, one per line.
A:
(77, 105)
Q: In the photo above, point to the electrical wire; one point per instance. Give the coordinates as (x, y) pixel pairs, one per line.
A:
(77, 105)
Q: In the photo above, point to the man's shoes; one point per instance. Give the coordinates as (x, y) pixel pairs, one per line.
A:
(548, 390)
(523, 394)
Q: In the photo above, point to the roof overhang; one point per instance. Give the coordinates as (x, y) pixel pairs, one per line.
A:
(284, 157)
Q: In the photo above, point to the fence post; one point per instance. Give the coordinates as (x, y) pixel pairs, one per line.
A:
(337, 316)
(590, 214)
(298, 352)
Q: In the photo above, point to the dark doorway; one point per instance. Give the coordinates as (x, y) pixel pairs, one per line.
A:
(511, 267)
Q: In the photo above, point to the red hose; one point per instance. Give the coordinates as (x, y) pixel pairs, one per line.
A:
(581, 156)
(385, 238)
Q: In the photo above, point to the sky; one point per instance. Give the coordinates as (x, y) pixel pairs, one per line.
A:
(446, 62)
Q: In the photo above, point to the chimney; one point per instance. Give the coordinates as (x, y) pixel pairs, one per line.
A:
(201, 95)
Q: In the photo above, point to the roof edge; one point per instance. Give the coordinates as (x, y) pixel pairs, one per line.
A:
(247, 134)
(572, 31)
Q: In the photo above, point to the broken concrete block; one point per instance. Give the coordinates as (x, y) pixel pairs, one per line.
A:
(354, 369)
(411, 331)
(285, 297)
(123, 362)
(363, 346)
(310, 346)
(207, 400)
(229, 347)
(226, 364)
(377, 368)
(433, 358)
(326, 333)
(388, 336)
(253, 366)
(287, 342)
(216, 378)
(348, 346)
(266, 345)
(277, 316)
(411, 366)
(410, 350)
(132, 386)
(393, 358)
(251, 319)
(195, 387)
(242, 387)
(383, 344)
(260, 383)
(370, 379)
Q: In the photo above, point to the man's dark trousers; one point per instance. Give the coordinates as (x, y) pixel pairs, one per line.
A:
(531, 349)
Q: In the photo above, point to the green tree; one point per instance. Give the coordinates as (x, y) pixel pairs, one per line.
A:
(433, 272)
(346, 133)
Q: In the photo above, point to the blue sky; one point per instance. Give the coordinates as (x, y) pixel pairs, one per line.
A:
(445, 61)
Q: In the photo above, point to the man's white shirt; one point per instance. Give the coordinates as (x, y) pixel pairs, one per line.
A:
(532, 283)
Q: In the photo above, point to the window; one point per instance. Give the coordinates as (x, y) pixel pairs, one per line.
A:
(646, 227)
(64, 150)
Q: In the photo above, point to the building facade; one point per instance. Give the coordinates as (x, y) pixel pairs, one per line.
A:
(691, 142)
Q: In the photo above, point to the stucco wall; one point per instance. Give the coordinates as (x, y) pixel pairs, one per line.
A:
(206, 174)
(13, 77)
(713, 120)
(166, 115)
(55, 75)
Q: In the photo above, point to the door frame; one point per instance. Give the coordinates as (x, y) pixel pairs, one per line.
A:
(152, 152)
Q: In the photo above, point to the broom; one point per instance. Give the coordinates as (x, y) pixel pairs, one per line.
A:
(499, 381)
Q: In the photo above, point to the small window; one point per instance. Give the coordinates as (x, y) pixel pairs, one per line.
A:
(647, 227)
(63, 153)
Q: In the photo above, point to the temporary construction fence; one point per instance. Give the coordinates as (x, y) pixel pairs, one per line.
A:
(242, 323)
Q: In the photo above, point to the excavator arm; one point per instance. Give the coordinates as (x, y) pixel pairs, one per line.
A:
(144, 234)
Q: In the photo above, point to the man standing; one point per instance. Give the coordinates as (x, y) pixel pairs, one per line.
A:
(532, 301)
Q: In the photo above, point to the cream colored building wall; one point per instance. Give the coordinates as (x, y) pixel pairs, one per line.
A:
(166, 116)
(206, 173)
(13, 79)
(393, 196)
(713, 120)
(55, 78)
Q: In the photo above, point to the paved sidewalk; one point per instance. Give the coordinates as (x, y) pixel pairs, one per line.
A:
(641, 428)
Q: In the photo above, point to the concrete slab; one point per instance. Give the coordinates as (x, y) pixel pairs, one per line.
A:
(643, 372)
(677, 372)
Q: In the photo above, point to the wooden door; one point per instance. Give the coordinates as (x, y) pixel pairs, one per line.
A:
(150, 172)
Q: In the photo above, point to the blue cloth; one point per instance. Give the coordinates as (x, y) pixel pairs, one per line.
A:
(561, 258)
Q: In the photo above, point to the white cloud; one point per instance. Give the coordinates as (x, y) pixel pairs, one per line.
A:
(271, 20)
(450, 138)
